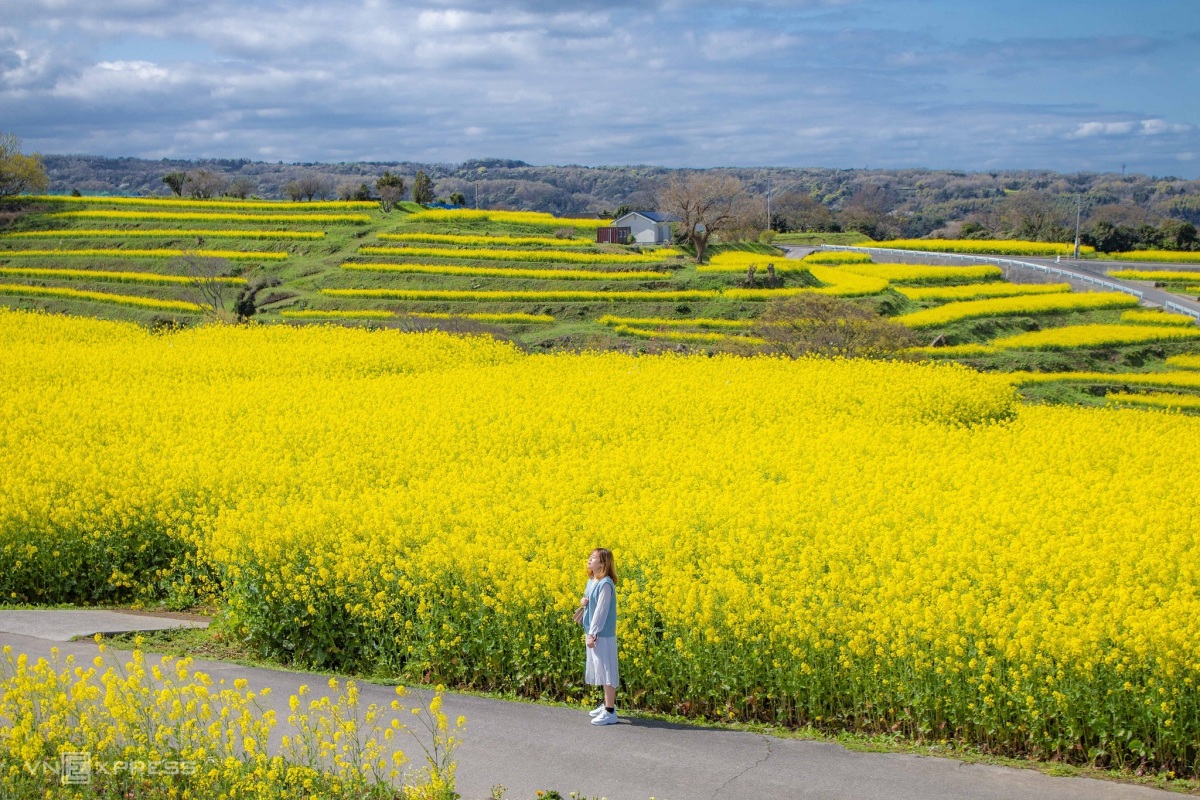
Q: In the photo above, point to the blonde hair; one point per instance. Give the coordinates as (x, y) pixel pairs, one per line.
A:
(608, 566)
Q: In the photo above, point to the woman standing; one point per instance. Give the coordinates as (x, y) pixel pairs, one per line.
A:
(599, 605)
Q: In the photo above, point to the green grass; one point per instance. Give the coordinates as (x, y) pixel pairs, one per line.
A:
(849, 238)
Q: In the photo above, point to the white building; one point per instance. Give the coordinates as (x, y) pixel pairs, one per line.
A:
(646, 227)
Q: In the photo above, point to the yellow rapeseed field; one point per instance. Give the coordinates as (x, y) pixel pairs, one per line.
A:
(484, 316)
(1010, 247)
(149, 233)
(583, 274)
(1191, 361)
(1010, 306)
(1151, 317)
(106, 276)
(1166, 256)
(188, 202)
(976, 291)
(537, 218)
(212, 216)
(1156, 399)
(22, 290)
(842, 284)
(853, 544)
(159, 252)
(924, 273)
(740, 261)
(953, 351)
(540, 256)
(469, 240)
(837, 257)
(661, 322)
(177, 732)
(1184, 379)
(1163, 275)
(839, 282)
(536, 296)
(1071, 336)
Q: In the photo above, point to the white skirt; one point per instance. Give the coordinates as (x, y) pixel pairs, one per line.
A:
(602, 663)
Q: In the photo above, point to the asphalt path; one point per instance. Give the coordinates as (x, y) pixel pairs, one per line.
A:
(1082, 270)
(1099, 269)
(528, 747)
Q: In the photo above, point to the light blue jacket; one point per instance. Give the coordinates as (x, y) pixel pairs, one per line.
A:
(600, 614)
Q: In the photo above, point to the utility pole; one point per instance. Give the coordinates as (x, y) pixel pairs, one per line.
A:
(1079, 211)
(768, 202)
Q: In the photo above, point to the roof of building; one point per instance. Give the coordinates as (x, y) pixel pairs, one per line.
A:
(653, 216)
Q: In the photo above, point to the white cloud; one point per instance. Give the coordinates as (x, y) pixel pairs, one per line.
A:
(1145, 127)
(1155, 127)
(1088, 129)
(120, 79)
(593, 81)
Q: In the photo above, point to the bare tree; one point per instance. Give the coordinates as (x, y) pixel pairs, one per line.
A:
(389, 196)
(705, 203)
(312, 184)
(209, 283)
(346, 190)
(241, 187)
(747, 221)
(792, 211)
(205, 185)
(817, 324)
(1033, 215)
(293, 191)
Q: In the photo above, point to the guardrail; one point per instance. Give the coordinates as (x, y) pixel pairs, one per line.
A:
(1182, 310)
(1075, 276)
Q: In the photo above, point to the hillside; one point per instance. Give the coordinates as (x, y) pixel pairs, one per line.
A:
(543, 283)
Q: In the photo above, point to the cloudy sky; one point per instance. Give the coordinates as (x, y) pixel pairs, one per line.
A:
(965, 84)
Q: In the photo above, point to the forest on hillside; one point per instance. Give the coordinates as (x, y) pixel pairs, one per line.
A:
(1116, 212)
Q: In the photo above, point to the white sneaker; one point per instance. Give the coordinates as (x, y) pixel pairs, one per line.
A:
(597, 711)
(605, 718)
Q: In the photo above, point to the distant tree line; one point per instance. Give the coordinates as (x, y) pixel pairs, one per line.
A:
(1115, 211)
(388, 189)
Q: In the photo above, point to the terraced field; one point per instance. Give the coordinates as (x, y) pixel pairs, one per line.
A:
(544, 283)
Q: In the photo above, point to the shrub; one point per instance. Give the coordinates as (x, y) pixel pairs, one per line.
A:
(827, 326)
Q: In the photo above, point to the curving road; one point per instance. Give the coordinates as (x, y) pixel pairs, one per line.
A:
(1086, 272)
(1149, 294)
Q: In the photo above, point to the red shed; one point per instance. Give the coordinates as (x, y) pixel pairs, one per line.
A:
(613, 235)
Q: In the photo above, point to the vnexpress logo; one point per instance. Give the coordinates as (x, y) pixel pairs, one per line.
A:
(76, 769)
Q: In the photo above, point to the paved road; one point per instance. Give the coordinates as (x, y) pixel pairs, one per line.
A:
(1081, 269)
(527, 747)
(65, 625)
(1151, 295)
